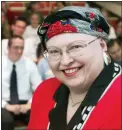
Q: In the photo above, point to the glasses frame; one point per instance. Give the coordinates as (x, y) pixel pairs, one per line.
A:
(17, 47)
(46, 51)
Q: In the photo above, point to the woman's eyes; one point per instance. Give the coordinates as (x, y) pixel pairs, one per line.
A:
(76, 47)
(53, 52)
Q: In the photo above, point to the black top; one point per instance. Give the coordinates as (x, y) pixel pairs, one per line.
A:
(57, 115)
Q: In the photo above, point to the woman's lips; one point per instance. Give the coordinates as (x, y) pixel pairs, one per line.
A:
(71, 72)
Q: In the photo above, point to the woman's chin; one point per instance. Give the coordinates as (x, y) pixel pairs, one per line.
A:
(74, 83)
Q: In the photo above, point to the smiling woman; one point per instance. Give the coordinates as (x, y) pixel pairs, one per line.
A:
(74, 43)
(76, 64)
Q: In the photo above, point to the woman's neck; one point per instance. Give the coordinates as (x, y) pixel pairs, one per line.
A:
(74, 101)
(77, 96)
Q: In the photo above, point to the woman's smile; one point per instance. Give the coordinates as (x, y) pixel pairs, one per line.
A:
(71, 71)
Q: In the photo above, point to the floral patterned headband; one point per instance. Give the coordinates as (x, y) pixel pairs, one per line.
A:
(73, 19)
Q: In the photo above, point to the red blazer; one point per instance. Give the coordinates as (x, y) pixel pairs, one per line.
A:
(105, 115)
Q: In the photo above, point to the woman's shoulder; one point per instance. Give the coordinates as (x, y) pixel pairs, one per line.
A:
(52, 82)
(48, 87)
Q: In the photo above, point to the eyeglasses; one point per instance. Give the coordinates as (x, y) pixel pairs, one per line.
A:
(73, 50)
(18, 47)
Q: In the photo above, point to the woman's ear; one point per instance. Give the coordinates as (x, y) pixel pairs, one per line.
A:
(106, 58)
(103, 45)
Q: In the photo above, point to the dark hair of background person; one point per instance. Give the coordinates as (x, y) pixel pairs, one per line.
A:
(62, 2)
(111, 42)
(59, 5)
(29, 7)
(20, 18)
(119, 37)
(13, 37)
(118, 21)
(39, 50)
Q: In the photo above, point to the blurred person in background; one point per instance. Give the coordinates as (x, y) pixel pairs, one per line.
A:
(42, 64)
(112, 34)
(120, 42)
(8, 13)
(5, 27)
(115, 51)
(17, 28)
(59, 5)
(31, 43)
(33, 6)
(31, 30)
(20, 78)
(118, 30)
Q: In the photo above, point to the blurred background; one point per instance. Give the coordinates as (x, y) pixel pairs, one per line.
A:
(113, 8)
(12, 10)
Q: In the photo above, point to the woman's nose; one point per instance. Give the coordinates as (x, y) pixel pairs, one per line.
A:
(66, 59)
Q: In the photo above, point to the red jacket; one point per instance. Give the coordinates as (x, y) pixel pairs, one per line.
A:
(106, 115)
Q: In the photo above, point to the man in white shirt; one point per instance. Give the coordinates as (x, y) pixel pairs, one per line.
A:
(31, 43)
(28, 79)
(115, 51)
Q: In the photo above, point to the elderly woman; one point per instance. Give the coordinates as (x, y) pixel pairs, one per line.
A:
(86, 91)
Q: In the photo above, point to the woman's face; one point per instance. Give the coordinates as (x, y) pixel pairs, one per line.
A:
(79, 71)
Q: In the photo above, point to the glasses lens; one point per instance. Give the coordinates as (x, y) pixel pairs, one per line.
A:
(52, 54)
(76, 48)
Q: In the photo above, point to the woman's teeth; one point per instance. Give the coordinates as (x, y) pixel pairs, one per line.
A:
(71, 70)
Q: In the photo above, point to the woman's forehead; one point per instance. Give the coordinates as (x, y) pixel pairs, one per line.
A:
(67, 38)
